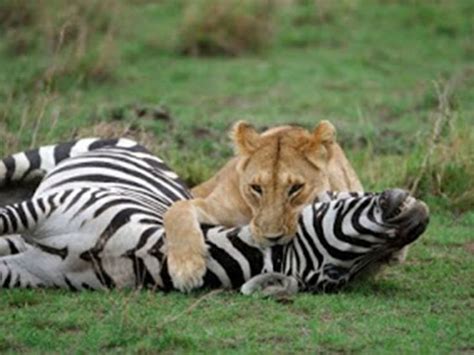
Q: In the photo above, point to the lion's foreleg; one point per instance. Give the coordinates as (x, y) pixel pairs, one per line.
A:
(186, 250)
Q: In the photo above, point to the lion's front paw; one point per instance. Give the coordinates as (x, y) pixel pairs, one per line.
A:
(186, 270)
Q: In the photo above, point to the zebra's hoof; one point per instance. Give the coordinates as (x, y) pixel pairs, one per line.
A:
(272, 284)
(186, 271)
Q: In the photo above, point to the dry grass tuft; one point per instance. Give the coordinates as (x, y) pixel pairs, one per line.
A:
(18, 13)
(232, 27)
(449, 171)
(77, 38)
(80, 38)
(29, 126)
(441, 165)
(17, 18)
(320, 12)
(447, 164)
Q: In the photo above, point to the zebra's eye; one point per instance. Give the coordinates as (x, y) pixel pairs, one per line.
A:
(256, 188)
(295, 189)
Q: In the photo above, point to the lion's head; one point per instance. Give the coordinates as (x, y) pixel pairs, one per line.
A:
(280, 171)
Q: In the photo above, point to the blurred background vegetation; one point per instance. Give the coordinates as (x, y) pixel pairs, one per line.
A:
(396, 77)
(175, 74)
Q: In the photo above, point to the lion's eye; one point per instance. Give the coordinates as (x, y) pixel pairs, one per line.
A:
(256, 188)
(294, 189)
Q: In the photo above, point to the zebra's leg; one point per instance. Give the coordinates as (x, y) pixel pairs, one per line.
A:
(16, 271)
(40, 266)
(272, 284)
(13, 244)
(19, 218)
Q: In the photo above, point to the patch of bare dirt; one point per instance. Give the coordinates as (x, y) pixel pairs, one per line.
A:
(469, 246)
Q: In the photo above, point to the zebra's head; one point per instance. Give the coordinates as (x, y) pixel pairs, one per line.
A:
(349, 236)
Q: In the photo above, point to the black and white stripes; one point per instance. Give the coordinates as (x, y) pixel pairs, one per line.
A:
(95, 221)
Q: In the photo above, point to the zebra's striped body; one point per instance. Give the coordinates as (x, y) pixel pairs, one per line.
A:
(95, 221)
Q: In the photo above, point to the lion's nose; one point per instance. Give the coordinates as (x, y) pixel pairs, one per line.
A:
(275, 239)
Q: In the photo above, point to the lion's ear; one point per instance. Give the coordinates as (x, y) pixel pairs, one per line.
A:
(318, 148)
(324, 133)
(246, 138)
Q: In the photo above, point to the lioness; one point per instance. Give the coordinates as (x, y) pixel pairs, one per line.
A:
(273, 176)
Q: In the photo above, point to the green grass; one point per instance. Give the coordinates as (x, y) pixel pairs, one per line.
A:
(423, 306)
(371, 67)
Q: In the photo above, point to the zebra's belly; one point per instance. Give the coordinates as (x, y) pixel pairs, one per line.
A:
(73, 260)
(83, 250)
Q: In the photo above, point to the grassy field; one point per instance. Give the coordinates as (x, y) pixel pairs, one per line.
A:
(396, 78)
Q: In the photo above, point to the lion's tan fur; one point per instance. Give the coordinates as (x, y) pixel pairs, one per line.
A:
(257, 187)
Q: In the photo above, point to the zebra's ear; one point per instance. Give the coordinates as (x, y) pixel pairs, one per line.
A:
(246, 138)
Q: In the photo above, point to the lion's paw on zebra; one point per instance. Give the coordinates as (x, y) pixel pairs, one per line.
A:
(271, 178)
(95, 221)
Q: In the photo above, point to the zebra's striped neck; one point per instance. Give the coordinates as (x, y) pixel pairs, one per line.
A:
(310, 257)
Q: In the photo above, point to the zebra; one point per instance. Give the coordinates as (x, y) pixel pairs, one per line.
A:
(95, 221)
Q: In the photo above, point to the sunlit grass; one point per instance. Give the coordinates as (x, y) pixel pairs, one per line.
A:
(374, 68)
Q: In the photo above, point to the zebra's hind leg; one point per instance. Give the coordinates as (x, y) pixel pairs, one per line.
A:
(14, 274)
(42, 266)
(272, 284)
(22, 217)
(13, 244)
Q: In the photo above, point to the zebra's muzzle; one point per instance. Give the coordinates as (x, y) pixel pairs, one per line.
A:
(409, 215)
(392, 203)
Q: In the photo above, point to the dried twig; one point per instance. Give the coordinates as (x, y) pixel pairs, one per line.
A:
(190, 308)
(44, 102)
